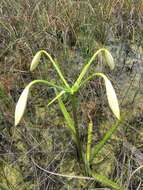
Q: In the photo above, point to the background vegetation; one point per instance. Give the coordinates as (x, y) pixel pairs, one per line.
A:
(71, 31)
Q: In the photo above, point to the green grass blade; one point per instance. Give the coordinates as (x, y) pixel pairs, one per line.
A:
(57, 97)
(3, 187)
(104, 180)
(107, 136)
(5, 27)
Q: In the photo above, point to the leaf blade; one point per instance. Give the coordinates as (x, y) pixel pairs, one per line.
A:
(98, 147)
(89, 140)
(69, 120)
(106, 181)
(57, 97)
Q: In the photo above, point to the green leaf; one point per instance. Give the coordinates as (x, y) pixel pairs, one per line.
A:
(109, 59)
(3, 187)
(111, 96)
(57, 97)
(104, 180)
(35, 61)
(69, 120)
(98, 147)
(89, 139)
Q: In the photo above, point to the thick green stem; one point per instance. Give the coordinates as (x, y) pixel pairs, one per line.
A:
(74, 110)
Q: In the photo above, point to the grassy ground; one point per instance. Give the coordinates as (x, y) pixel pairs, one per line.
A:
(71, 31)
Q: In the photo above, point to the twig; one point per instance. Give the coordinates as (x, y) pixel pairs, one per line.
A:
(135, 171)
(62, 175)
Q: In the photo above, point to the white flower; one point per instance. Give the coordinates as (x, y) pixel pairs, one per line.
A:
(21, 105)
(35, 61)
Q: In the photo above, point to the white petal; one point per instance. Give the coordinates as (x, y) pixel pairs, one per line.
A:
(35, 61)
(111, 96)
(21, 105)
(109, 59)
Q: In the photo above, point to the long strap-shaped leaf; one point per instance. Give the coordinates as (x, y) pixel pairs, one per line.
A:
(106, 137)
(57, 97)
(36, 61)
(69, 120)
(106, 181)
(89, 139)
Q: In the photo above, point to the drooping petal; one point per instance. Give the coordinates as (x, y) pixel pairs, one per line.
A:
(35, 61)
(109, 59)
(111, 96)
(21, 105)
